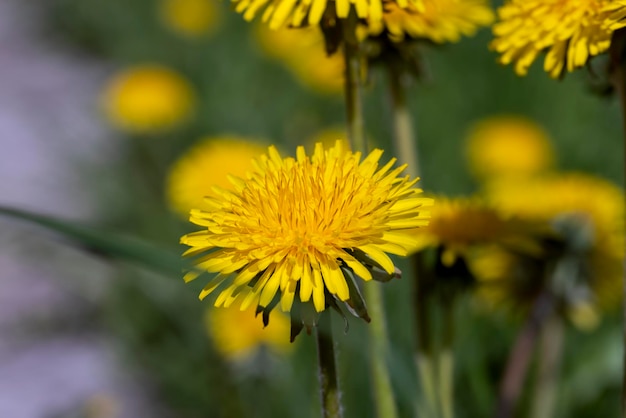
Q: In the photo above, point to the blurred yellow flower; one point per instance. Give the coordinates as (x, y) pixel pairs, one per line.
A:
(458, 224)
(303, 52)
(302, 226)
(437, 20)
(237, 334)
(508, 145)
(147, 98)
(190, 17)
(328, 138)
(549, 197)
(208, 163)
(571, 31)
(297, 13)
(585, 214)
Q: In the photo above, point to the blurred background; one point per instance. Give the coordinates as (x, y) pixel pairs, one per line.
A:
(102, 104)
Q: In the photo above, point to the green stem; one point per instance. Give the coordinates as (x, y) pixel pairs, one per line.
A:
(617, 54)
(445, 361)
(354, 106)
(385, 403)
(519, 358)
(550, 351)
(424, 356)
(329, 388)
(404, 138)
(383, 392)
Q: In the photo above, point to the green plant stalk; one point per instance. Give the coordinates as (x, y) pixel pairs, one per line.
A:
(352, 90)
(329, 387)
(520, 355)
(550, 353)
(617, 53)
(445, 360)
(424, 356)
(405, 147)
(404, 137)
(383, 392)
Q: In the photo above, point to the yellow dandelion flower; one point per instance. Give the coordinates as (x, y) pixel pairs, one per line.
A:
(280, 13)
(571, 31)
(190, 18)
(583, 212)
(437, 20)
(147, 98)
(207, 164)
(508, 145)
(328, 137)
(300, 228)
(549, 197)
(458, 224)
(238, 334)
(304, 53)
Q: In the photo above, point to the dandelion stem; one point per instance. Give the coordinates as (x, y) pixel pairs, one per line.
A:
(383, 392)
(354, 106)
(329, 388)
(550, 351)
(445, 363)
(618, 77)
(519, 358)
(404, 138)
(424, 356)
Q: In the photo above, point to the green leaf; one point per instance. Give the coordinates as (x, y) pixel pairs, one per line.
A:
(108, 244)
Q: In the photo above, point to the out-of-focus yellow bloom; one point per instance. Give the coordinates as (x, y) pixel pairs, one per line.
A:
(296, 13)
(303, 52)
(190, 17)
(300, 227)
(585, 214)
(148, 98)
(549, 197)
(508, 145)
(328, 138)
(458, 224)
(437, 20)
(208, 164)
(571, 31)
(237, 334)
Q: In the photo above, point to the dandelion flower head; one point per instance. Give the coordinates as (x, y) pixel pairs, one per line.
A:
(148, 98)
(208, 163)
(437, 20)
(238, 334)
(592, 205)
(460, 223)
(294, 227)
(508, 145)
(297, 13)
(303, 52)
(570, 31)
(190, 18)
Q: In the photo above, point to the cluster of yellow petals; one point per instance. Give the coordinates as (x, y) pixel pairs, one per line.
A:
(208, 163)
(460, 223)
(148, 98)
(571, 31)
(508, 146)
(293, 224)
(190, 18)
(437, 20)
(304, 53)
(593, 202)
(280, 13)
(237, 334)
